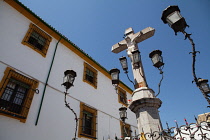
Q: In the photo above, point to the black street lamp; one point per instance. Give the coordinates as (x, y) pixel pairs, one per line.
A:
(172, 16)
(115, 76)
(136, 59)
(204, 86)
(124, 64)
(156, 58)
(123, 113)
(68, 80)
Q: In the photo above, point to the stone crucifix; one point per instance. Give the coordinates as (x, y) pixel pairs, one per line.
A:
(130, 43)
(144, 104)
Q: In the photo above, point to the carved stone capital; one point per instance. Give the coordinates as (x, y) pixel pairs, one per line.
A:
(145, 102)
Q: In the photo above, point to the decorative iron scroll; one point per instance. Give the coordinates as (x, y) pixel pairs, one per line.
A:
(192, 131)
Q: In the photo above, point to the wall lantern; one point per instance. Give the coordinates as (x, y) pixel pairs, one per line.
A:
(136, 58)
(203, 85)
(156, 58)
(124, 64)
(68, 79)
(172, 16)
(115, 76)
(123, 113)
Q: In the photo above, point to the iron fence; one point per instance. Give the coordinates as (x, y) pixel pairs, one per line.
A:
(192, 131)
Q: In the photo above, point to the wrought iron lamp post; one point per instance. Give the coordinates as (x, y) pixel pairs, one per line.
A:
(157, 61)
(68, 80)
(172, 16)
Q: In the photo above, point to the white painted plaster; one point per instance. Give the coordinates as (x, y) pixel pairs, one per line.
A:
(56, 122)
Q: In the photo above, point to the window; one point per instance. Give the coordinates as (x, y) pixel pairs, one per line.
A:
(37, 39)
(125, 129)
(87, 124)
(122, 97)
(16, 94)
(90, 75)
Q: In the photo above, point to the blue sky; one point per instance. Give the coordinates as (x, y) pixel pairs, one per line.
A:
(96, 25)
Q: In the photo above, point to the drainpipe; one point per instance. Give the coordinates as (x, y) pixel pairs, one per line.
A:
(46, 83)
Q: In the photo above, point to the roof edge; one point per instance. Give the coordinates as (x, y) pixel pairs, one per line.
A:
(59, 35)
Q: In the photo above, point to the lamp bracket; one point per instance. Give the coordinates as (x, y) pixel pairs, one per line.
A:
(186, 35)
(194, 52)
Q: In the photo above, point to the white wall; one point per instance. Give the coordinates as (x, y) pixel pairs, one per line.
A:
(55, 121)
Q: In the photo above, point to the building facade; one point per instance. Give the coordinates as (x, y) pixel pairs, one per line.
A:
(33, 58)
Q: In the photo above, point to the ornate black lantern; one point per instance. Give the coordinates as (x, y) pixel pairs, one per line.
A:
(123, 62)
(115, 76)
(123, 113)
(68, 79)
(136, 58)
(203, 85)
(156, 58)
(172, 16)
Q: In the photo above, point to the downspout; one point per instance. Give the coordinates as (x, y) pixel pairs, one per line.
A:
(46, 83)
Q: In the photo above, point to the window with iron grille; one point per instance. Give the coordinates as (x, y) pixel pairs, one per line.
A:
(90, 75)
(87, 124)
(122, 97)
(16, 94)
(125, 130)
(37, 39)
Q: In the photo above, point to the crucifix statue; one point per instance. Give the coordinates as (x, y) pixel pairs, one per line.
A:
(144, 104)
(130, 43)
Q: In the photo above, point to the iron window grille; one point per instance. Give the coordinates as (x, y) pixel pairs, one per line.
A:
(125, 130)
(37, 39)
(87, 127)
(122, 97)
(16, 94)
(90, 75)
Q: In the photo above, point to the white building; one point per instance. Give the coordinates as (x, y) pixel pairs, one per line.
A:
(33, 55)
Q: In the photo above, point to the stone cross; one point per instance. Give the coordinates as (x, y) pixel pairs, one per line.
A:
(130, 43)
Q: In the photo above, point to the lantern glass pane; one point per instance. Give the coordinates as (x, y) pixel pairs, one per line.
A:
(156, 58)
(124, 63)
(69, 78)
(114, 76)
(205, 87)
(123, 114)
(136, 57)
(173, 17)
(65, 79)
